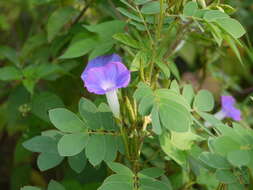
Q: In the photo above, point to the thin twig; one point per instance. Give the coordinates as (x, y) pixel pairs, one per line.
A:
(103, 133)
(175, 44)
(115, 10)
(82, 12)
(152, 157)
(203, 127)
(146, 26)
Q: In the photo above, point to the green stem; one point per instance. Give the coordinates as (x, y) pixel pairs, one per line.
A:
(181, 33)
(142, 73)
(146, 26)
(124, 135)
(88, 3)
(103, 133)
(130, 110)
(203, 127)
(160, 21)
(250, 178)
(203, 3)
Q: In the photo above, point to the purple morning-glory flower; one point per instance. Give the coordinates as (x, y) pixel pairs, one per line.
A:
(228, 108)
(104, 75)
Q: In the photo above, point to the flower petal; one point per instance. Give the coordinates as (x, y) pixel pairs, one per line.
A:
(106, 77)
(229, 109)
(227, 101)
(102, 60)
(235, 114)
(92, 81)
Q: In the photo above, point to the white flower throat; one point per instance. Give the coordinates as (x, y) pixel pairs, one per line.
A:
(113, 102)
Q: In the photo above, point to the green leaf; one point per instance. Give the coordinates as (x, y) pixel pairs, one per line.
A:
(111, 148)
(175, 87)
(73, 184)
(9, 73)
(174, 70)
(164, 68)
(225, 176)
(66, 120)
(129, 14)
(30, 188)
(141, 2)
(203, 101)
(227, 8)
(106, 30)
(146, 105)
(89, 114)
(184, 141)
(54, 185)
(239, 137)
(151, 8)
(232, 27)
(170, 150)
(156, 122)
(120, 169)
(31, 77)
(213, 15)
(95, 150)
(238, 157)
(142, 90)
(96, 118)
(174, 116)
(145, 97)
(188, 93)
(20, 154)
(80, 48)
(173, 109)
(233, 46)
(214, 160)
(171, 95)
(243, 135)
(72, 144)
(17, 98)
(210, 119)
(10, 54)
(78, 162)
(225, 144)
(57, 20)
(127, 4)
(44, 71)
(138, 26)
(122, 182)
(43, 102)
(101, 147)
(152, 184)
(33, 43)
(236, 186)
(207, 179)
(126, 39)
(190, 9)
(29, 84)
(52, 133)
(140, 60)
(152, 172)
(47, 161)
(41, 144)
(166, 181)
(216, 32)
(103, 48)
(107, 119)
